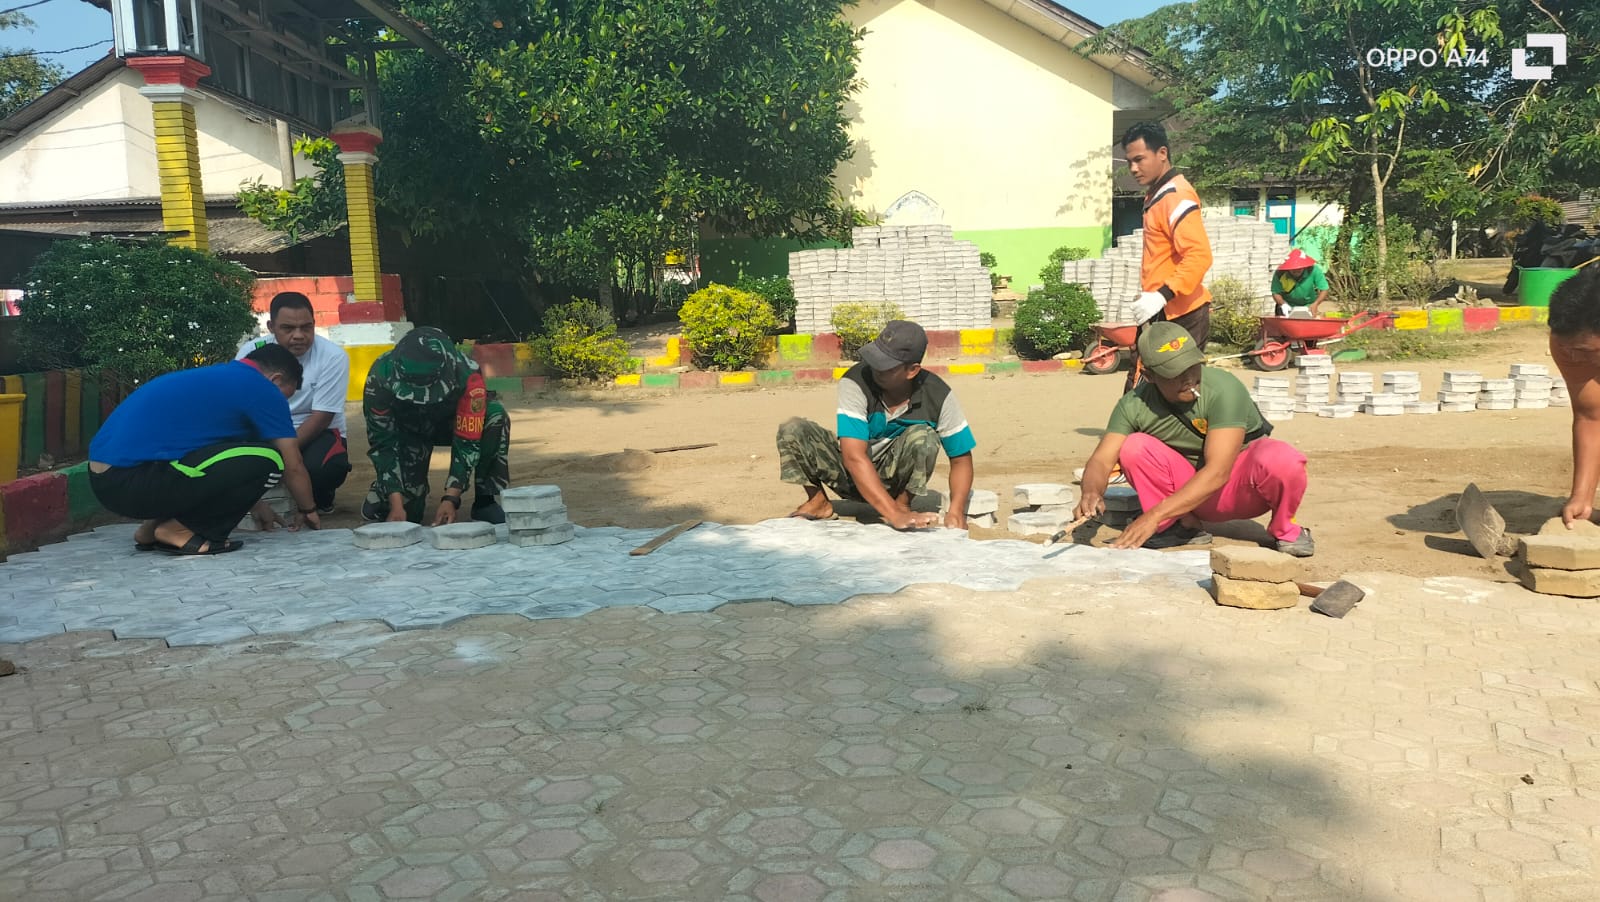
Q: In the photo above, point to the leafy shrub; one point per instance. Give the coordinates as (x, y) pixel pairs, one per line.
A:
(726, 328)
(138, 310)
(580, 342)
(312, 204)
(1412, 272)
(1058, 316)
(989, 262)
(859, 323)
(1234, 320)
(673, 294)
(777, 291)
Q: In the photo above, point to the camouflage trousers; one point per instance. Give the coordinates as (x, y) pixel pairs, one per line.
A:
(809, 455)
(489, 478)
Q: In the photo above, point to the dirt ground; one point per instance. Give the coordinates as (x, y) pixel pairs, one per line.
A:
(1382, 489)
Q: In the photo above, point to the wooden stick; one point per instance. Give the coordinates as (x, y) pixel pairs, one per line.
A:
(683, 448)
(665, 537)
(1068, 531)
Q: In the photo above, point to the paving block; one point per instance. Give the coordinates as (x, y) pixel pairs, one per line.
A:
(982, 521)
(521, 521)
(1252, 562)
(1554, 527)
(1038, 523)
(532, 499)
(81, 502)
(555, 535)
(1254, 595)
(1573, 551)
(1572, 583)
(1032, 494)
(1122, 498)
(982, 501)
(377, 536)
(462, 536)
(35, 509)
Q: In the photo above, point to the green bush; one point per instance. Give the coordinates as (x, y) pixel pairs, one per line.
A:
(138, 310)
(989, 262)
(726, 328)
(859, 323)
(1234, 320)
(580, 342)
(777, 291)
(1057, 317)
(673, 294)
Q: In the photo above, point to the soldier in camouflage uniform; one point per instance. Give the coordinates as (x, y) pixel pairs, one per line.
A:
(422, 394)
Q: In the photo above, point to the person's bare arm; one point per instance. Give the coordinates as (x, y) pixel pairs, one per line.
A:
(1316, 305)
(315, 425)
(961, 471)
(1097, 474)
(859, 464)
(1582, 384)
(1222, 449)
(298, 482)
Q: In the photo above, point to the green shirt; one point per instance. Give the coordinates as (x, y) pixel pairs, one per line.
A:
(1224, 403)
(1300, 292)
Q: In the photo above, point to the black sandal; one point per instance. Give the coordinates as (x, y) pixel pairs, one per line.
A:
(192, 548)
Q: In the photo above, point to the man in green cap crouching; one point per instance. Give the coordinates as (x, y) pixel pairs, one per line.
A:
(426, 393)
(1197, 450)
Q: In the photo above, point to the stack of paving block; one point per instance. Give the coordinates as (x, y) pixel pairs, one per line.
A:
(1534, 385)
(1459, 393)
(1498, 394)
(1353, 390)
(1041, 508)
(1562, 561)
(1313, 383)
(921, 269)
(1122, 506)
(1272, 397)
(1242, 248)
(1248, 576)
(536, 515)
(982, 506)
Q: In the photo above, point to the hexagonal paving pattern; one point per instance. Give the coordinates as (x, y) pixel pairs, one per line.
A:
(283, 582)
(1080, 738)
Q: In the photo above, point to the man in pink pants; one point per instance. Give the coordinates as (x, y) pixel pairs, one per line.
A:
(1197, 450)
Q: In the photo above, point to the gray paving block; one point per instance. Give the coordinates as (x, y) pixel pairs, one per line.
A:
(1037, 493)
(462, 536)
(554, 535)
(524, 521)
(982, 501)
(531, 499)
(380, 536)
(1038, 523)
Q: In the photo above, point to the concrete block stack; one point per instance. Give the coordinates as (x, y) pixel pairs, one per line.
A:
(1355, 388)
(982, 507)
(1459, 393)
(1404, 384)
(1122, 506)
(1384, 404)
(1534, 385)
(536, 515)
(933, 278)
(1242, 248)
(1498, 394)
(1313, 383)
(1273, 398)
(1559, 561)
(1041, 508)
(1248, 576)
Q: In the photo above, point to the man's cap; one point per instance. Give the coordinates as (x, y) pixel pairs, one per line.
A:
(427, 367)
(901, 342)
(1298, 259)
(1167, 350)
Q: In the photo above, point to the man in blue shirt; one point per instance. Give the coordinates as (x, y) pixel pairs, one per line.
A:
(191, 452)
(893, 419)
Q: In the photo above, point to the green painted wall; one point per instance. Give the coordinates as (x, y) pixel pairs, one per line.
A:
(723, 259)
(1021, 253)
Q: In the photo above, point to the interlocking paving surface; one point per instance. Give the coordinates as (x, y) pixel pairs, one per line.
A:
(289, 582)
(1079, 738)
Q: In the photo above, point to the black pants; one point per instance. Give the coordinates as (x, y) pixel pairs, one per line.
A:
(1196, 322)
(209, 491)
(327, 463)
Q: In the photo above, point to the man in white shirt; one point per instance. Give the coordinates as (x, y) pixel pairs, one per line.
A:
(317, 409)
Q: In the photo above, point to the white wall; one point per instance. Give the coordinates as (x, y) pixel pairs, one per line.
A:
(100, 147)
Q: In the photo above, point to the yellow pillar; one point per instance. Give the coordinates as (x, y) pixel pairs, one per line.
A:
(358, 144)
(169, 83)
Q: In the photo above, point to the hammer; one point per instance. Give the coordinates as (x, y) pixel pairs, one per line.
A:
(1334, 601)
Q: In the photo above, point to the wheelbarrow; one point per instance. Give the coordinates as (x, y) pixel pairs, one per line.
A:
(1283, 338)
(1109, 348)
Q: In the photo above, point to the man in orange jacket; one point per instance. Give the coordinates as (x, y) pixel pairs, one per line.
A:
(1177, 252)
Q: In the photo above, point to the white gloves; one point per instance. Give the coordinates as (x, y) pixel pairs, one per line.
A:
(1147, 305)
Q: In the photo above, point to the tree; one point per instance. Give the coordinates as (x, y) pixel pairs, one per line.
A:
(23, 76)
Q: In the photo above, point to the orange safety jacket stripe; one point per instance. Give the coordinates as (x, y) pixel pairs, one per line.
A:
(1177, 252)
